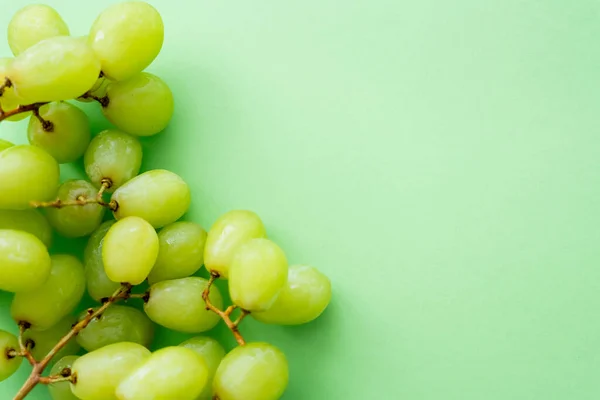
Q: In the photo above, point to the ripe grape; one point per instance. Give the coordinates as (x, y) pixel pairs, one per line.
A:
(142, 105)
(70, 133)
(79, 220)
(127, 37)
(44, 306)
(228, 232)
(62, 390)
(169, 373)
(181, 251)
(41, 342)
(113, 155)
(24, 261)
(5, 144)
(32, 24)
(9, 100)
(98, 284)
(9, 363)
(256, 371)
(27, 173)
(158, 196)
(99, 372)
(257, 274)
(177, 304)
(129, 250)
(212, 353)
(31, 221)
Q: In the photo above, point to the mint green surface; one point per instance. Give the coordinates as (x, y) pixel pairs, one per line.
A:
(439, 160)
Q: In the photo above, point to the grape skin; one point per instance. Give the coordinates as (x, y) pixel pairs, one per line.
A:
(24, 261)
(31, 221)
(32, 24)
(212, 353)
(98, 284)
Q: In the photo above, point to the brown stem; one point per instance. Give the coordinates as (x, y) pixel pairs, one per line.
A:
(19, 110)
(79, 201)
(102, 100)
(106, 184)
(47, 126)
(25, 351)
(47, 380)
(5, 85)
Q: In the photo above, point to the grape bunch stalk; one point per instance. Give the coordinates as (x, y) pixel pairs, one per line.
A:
(139, 246)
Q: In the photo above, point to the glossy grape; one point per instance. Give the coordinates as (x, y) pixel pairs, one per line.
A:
(62, 390)
(212, 353)
(8, 362)
(32, 24)
(5, 144)
(41, 342)
(98, 284)
(31, 221)
(24, 261)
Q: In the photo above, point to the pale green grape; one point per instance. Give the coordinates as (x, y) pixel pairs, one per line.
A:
(62, 390)
(46, 305)
(170, 373)
(142, 105)
(24, 261)
(9, 100)
(59, 68)
(129, 250)
(116, 324)
(177, 304)
(257, 274)
(70, 133)
(181, 251)
(27, 173)
(158, 196)
(127, 37)
(212, 353)
(41, 342)
(32, 24)
(98, 284)
(8, 362)
(227, 233)
(99, 373)
(76, 221)
(5, 144)
(304, 297)
(256, 371)
(31, 221)
(113, 155)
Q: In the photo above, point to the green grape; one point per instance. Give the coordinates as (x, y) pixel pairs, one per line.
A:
(304, 297)
(9, 363)
(181, 251)
(62, 390)
(158, 196)
(212, 353)
(178, 305)
(9, 100)
(98, 284)
(99, 372)
(46, 305)
(230, 231)
(256, 371)
(31, 221)
(70, 133)
(41, 342)
(24, 261)
(32, 24)
(129, 250)
(59, 68)
(116, 324)
(98, 90)
(142, 105)
(5, 144)
(170, 373)
(257, 274)
(27, 173)
(127, 37)
(113, 155)
(79, 220)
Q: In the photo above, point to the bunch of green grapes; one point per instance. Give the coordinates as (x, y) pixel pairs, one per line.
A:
(136, 236)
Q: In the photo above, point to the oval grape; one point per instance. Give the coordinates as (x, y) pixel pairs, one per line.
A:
(98, 284)
(212, 353)
(31, 221)
(32, 24)
(62, 390)
(24, 261)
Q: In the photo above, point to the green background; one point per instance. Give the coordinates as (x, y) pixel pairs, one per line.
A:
(438, 159)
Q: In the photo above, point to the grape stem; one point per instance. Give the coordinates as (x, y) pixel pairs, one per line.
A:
(47, 126)
(25, 351)
(38, 367)
(21, 109)
(79, 201)
(5, 85)
(102, 100)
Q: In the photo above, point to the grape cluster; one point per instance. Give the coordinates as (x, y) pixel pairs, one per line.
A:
(103, 353)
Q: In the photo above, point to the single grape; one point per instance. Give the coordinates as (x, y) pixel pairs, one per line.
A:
(127, 37)
(257, 274)
(9, 362)
(46, 305)
(142, 105)
(113, 155)
(79, 220)
(304, 297)
(27, 173)
(158, 196)
(178, 305)
(31, 221)
(62, 390)
(24, 261)
(116, 324)
(69, 135)
(129, 250)
(99, 372)
(58, 68)
(32, 24)
(98, 284)
(41, 342)
(9, 100)
(5, 144)
(227, 233)
(181, 251)
(212, 353)
(256, 371)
